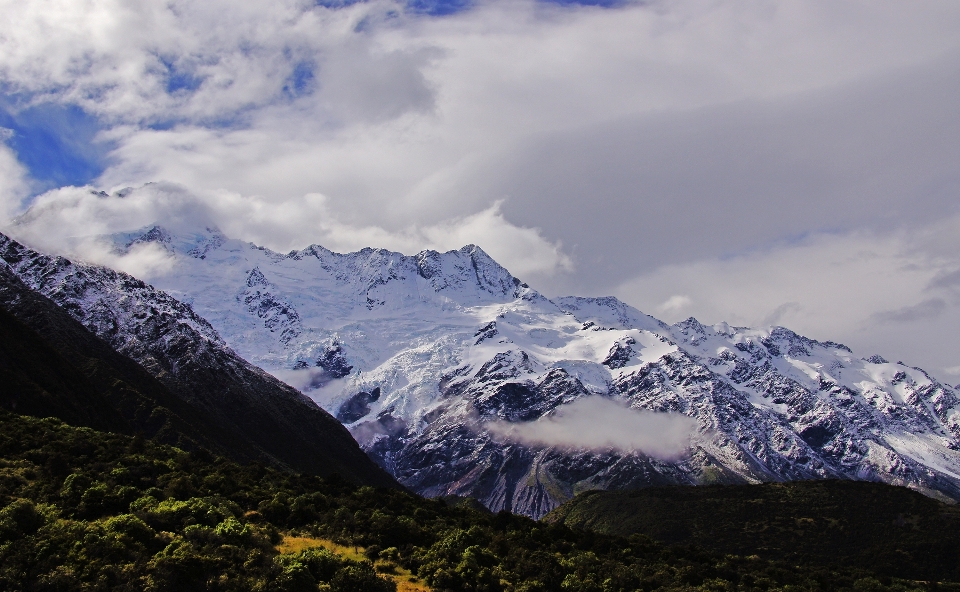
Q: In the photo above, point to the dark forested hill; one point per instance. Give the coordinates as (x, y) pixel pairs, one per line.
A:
(87, 510)
(889, 530)
(51, 365)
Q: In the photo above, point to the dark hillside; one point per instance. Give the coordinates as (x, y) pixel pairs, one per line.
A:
(88, 510)
(889, 530)
(51, 365)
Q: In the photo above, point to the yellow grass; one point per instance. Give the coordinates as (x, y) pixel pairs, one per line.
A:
(404, 585)
(295, 544)
(406, 581)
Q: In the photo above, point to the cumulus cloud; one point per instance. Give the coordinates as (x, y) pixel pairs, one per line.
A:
(422, 118)
(747, 155)
(145, 261)
(73, 221)
(601, 424)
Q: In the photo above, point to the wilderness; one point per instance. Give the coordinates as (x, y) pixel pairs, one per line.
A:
(187, 468)
(479, 295)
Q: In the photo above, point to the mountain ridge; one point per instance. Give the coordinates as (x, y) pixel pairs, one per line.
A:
(273, 422)
(449, 360)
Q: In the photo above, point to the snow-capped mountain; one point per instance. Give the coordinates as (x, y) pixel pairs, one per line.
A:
(246, 412)
(427, 357)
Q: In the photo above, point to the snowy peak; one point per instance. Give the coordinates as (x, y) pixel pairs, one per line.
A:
(260, 298)
(99, 297)
(248, 412)
(468, 270)
(193, 243)
(608, 311)
(468, 275)
(419, 354)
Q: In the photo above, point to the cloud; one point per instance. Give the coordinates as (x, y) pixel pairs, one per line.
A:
(601, 424)
(304, 379)
(144, 261)
(873, 291)
(14, 184)
(157, 62)
(741, 154)
(781, 311)
(928, 309)
(405, 119)
(72, 221)
(948, 279)
(674, 304)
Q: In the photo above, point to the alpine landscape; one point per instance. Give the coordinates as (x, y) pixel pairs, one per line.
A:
(493, 296)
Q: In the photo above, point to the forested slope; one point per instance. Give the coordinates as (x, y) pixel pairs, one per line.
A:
(89, 510)
(887, 529)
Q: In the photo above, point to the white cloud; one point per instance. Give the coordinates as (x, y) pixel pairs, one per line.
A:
(144, 261)
(14, 184)
(600, 424)
(877, 292)
(403, 112)
(70, 220)
(674, 304)
(671, 142)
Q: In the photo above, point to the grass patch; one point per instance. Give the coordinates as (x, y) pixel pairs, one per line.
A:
(405, 585)
(295, 544)
(405, 579)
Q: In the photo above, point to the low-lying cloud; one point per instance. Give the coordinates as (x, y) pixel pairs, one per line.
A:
(304, 380)
(601, 424)
(70, 220)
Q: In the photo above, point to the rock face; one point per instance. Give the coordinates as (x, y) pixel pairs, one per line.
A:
(250, 414)
(454, 346)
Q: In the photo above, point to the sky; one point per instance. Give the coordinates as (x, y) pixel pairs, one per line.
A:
(760, 162)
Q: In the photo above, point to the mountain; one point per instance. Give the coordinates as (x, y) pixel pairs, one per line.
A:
(52, 366)
(102, 349)
(887, 530)
(460, 379)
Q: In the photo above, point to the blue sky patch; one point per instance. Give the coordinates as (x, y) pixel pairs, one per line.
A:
(602, 3)
(445, 7)
(55, 143)
(438, 7)
(300, 81)
(179, 80)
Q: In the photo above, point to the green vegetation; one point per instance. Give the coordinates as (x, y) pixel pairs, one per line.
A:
(89, 510)
(888, 530)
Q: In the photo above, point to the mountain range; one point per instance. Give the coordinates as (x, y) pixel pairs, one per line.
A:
(459, 379)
